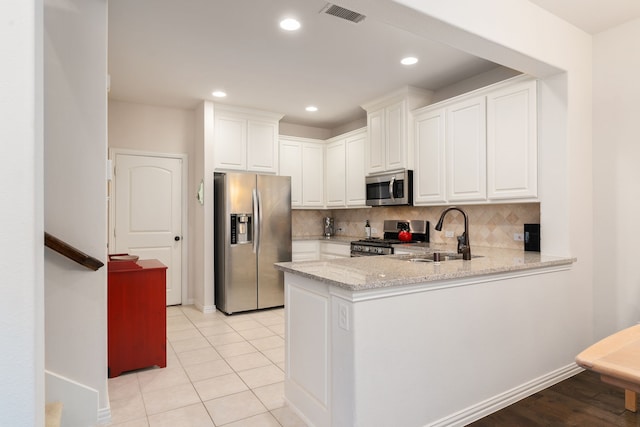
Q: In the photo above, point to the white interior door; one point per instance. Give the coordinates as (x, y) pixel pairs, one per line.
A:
(148, 213)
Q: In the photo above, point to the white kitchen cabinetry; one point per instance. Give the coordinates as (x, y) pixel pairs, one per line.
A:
(305, 250)
(430, 172)
(345, 171)
(389, 127)
(355, 185)
(335, 173)
(477, 147)
(245, 139)
(331, 250)
(512, 142)
(291, 165)
(303, 160)
(466, 144)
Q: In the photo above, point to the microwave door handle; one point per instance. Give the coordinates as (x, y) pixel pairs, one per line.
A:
(391, 185)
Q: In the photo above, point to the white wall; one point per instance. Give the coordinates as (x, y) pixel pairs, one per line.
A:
(151, 128)
(154, 129)
(75, 152)
(21, 259)
(616, 67)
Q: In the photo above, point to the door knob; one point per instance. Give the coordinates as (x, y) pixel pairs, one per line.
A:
(177, 238)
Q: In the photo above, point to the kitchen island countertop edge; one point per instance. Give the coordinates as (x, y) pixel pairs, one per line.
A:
(372, 272)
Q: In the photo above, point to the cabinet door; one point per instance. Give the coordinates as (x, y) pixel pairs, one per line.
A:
(230, 143)
(429, 174)
(291, 165)
(466, 150)
(312, 175)
(375, 148)
(335, 176)
(512, 149)
(305, 250)
(396, 136)
(262, 146)
(355, 186)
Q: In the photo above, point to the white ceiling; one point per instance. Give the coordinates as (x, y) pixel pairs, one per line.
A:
(593, 16)
(175, 53)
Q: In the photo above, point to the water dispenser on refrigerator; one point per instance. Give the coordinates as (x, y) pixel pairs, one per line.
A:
(241, 229)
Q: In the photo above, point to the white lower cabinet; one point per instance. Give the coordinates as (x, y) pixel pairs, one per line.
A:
(315, 250)
(305, 250)
(330, 250)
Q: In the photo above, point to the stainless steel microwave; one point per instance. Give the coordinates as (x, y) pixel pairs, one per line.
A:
(390, 188)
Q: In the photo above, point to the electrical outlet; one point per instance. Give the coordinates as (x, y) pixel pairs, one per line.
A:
(343, 316)
(448, 233)
(374, 230)
(518, 237)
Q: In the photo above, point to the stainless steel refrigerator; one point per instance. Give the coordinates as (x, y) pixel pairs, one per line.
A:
(252, 231)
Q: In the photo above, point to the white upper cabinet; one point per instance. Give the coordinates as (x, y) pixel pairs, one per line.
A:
(335, 175)
(345, 171)
(303, 160)
(245, 139)
(291, 165)
(478, 147)
(512, 142)
(396, 134)
(429, 174)
(312, 175)
(376, 147)
(466, 150)
(355, 170)
(389, 129)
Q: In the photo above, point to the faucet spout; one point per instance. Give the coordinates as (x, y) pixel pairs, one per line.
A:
(463, 241)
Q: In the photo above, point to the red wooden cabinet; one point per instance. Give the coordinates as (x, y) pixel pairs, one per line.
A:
(137, 326)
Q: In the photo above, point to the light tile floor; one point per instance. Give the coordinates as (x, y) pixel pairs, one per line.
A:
(221, 371)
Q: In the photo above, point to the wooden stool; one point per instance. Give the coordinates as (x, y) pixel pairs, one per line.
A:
(617, 359)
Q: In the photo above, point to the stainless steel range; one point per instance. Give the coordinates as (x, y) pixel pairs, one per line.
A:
(376, 246)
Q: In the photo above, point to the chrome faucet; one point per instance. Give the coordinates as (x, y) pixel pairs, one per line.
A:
(463, 240)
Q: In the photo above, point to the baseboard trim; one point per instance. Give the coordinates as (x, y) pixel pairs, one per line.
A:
(80, 401)
(206, 308)
(104, 415)
(500, 401)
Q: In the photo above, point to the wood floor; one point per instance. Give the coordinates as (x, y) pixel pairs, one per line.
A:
(582, 400)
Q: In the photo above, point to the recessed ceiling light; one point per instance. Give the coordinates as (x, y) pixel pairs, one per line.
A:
(311, 108)
(290, 24)
(409, 60)
(218, 94)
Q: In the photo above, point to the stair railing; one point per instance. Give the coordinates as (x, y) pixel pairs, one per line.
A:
(71, 252)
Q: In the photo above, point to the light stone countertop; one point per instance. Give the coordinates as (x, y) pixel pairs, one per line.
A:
(373, 272)
(334, 239)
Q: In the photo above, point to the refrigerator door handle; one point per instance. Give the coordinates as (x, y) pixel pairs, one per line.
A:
(256, 220)
(259, 221)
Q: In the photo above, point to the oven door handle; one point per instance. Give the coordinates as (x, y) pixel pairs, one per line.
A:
(391, 185)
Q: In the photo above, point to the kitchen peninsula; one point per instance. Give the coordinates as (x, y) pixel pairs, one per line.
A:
(378, 341)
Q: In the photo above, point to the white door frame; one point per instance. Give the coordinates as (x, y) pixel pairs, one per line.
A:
(184, 207)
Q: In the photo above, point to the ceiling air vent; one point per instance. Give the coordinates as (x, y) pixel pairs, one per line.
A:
(341, 12)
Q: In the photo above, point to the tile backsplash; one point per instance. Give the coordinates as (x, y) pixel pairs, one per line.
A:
(489, 225)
